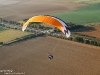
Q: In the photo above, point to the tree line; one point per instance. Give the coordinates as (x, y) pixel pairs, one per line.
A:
(80, 39)
(23, 38)
(10, 22)
(77, 37)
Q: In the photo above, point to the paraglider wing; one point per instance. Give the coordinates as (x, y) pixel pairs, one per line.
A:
(64, 28)
(49, 20)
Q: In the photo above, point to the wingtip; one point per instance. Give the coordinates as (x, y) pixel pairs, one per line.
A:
(68, 34)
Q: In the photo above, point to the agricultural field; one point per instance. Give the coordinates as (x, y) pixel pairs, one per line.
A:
(10, 34)
(17, 10)
(90, 31)
(31, 57)
(85, 15)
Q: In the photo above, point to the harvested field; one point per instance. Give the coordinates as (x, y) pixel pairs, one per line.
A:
(91, 31)
(70, 58)
(17, 10)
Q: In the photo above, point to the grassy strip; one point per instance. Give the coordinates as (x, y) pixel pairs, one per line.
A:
(23, 38)
(11, 34)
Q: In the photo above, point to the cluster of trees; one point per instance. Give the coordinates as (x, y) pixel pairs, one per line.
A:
(11, 27)
(10, 22)
(86, 41)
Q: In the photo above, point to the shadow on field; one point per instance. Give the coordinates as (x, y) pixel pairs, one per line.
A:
(84, 29)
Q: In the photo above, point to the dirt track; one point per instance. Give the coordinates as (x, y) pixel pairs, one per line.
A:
(70, 58)
(17, 10)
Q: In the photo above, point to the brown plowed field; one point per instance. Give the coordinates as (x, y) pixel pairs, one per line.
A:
(91, 31)
(95, 32)
(70, 58)
(17, 10)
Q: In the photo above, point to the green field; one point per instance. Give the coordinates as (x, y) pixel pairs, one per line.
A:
(11, 34)
(77, 1)
(88, 14)
(87, 1)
